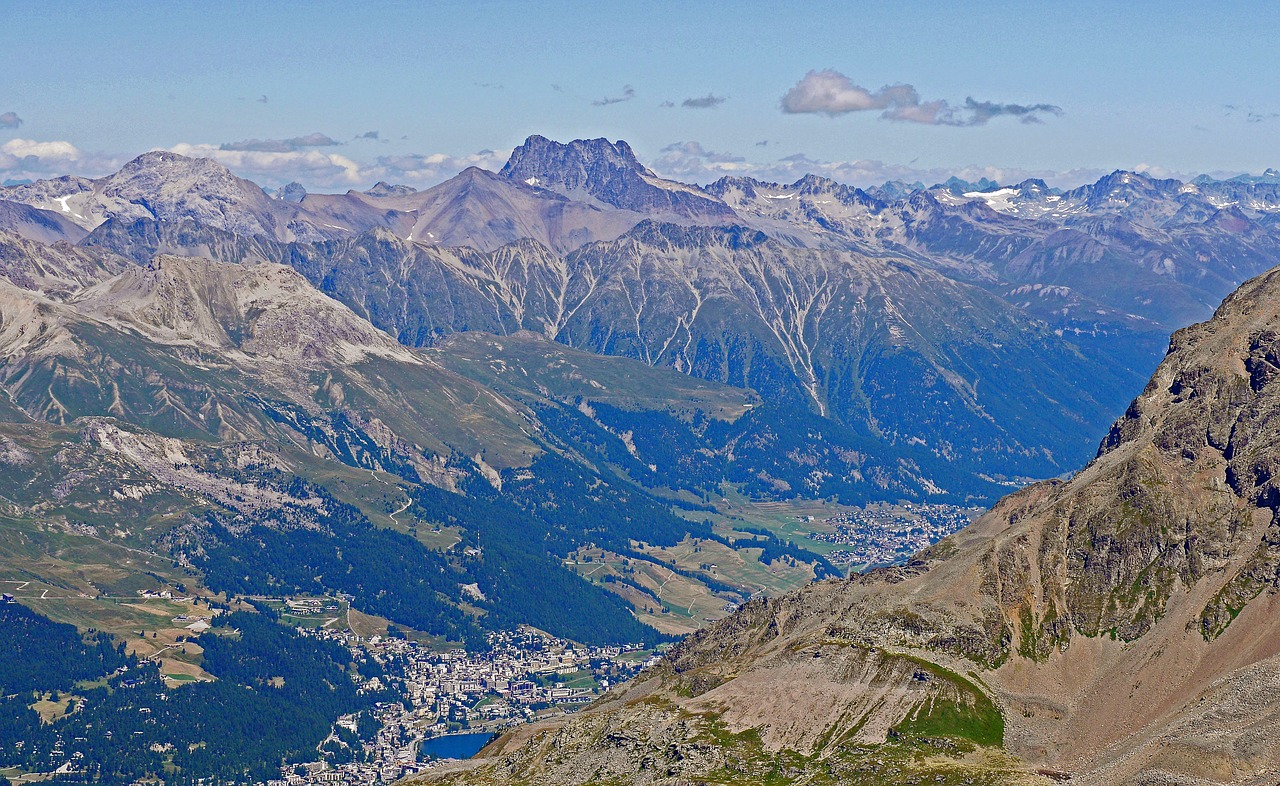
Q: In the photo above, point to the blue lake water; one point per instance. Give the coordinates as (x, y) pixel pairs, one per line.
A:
(454, 746)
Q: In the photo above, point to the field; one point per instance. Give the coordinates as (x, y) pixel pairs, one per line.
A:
(665, 589)
(665, 596)
(790, 519)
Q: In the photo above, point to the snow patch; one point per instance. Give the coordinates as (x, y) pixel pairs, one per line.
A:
(1000, 199)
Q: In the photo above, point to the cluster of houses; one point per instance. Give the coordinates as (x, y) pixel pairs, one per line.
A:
(888, 534)
(523, 676)
(522, 669)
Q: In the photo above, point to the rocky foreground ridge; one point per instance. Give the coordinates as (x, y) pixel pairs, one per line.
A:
(1121, 627)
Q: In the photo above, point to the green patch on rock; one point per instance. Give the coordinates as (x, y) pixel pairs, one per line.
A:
(971, 716)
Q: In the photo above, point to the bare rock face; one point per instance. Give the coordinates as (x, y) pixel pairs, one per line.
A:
(58, 270)
(609, 173)
(1124, 626)
(266, 310)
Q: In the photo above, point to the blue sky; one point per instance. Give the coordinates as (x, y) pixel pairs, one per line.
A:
(1171, 87)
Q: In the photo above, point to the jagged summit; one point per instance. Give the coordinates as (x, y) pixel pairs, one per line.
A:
(957, 186)
(292, 192)
(570, 164)
(607, 173)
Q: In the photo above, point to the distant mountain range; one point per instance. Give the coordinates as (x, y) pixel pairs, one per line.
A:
(941, 341)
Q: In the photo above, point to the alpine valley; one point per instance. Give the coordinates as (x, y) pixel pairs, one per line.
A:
(575, 397)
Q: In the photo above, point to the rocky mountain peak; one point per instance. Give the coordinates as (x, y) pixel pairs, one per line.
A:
(815, 183)
(570, 165)
(1125, 185)
(161, 170)
(153, 159)
(609, 174)
(167, 187)
(958, 186)
(746, 185)
(1035, 186)
(382, 189)
(292, 192)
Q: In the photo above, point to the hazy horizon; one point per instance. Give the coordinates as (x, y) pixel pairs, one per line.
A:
(338, 97)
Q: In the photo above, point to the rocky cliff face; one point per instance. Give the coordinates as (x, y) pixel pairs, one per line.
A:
(266, 310)
(57, 271)
(608, 173)
(1123, 624)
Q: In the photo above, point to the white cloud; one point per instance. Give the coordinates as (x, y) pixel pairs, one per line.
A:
(23, 148)
(36, 159)
(417, 169)
(831, 93)
(312, 167)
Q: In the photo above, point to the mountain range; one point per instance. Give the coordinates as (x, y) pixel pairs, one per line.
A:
(226, 407)
(809, 340)
(1117, 628)
(852, 306)
(435, 403)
